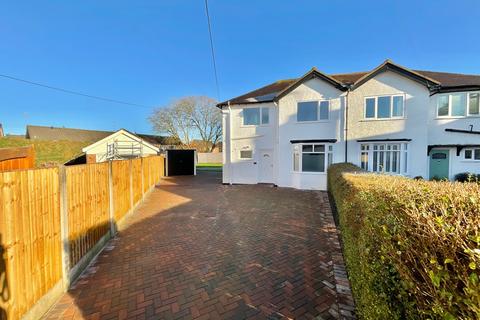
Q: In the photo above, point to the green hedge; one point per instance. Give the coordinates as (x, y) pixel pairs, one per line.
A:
(412, 248)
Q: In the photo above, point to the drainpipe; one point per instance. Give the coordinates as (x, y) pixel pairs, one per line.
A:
(346, 124)
(230, 167)
(276, 138)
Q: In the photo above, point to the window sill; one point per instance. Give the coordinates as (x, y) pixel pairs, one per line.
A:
(456, 117)
(308, 173)
(390, 173)
(254, 125)
(316, 121)
(470, 161)
(383, 119)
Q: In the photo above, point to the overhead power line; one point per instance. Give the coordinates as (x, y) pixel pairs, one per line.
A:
(212, 49)
(74, 92)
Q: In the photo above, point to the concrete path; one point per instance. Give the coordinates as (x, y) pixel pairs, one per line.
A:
(197, 249)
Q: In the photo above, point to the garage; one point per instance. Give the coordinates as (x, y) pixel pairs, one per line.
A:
(180, 162)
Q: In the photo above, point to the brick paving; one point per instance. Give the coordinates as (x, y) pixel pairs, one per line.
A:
(196, 249)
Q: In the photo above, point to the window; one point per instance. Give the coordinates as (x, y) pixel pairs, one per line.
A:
(474, 104)
(364, 156)
(265, 115)
(442, 106)
(324, 110)
(397, 108)
(312, 157)
(472, 154)
(384, 157)
(255, 116)
(458, 105)
(313, 110)
(384, 107)
(370, 108)
(246, 154)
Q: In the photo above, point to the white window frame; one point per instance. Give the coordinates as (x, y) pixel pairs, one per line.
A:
(473, 154)
(368, 149)
(245, 159)
(391, 107)
(467, 105)
(318, 111)
(328, 152)
(259, 119)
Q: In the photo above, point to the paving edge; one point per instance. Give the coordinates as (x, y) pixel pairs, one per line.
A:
(45, 302)
(346, 303)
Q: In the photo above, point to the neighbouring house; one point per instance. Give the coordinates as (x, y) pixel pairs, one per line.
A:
(205, 146)
(119, 145)
(82, 135)
(391, 120)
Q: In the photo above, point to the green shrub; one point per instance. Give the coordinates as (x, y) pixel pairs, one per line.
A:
(412, 247)
(467, 177)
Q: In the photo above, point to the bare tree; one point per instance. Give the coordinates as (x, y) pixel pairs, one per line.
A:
(189, 117)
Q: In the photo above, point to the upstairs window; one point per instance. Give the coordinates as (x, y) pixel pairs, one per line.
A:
(255, 116)
(474, 104)
(313, 110)
(458, 105)
(384, 107)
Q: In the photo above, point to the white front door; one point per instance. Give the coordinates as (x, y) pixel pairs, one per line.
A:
(265, 168)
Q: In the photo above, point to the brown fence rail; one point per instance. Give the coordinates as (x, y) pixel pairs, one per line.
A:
(47, 215)
(17, 158)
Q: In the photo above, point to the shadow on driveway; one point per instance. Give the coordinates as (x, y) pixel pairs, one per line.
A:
(196, 249)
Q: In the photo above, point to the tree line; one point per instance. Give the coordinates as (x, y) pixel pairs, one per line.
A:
(190, 118)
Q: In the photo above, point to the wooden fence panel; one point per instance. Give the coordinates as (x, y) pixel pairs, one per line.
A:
(17, 158)
(121, 188)
(30, 223)
(152, 171)
(137, 180)
(88, 207)
(30, 238)
(146, 173)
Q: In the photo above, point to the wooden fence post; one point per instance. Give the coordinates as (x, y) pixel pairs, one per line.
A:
(64, 227)
(111, 199)
(131, 184)
(143, 180)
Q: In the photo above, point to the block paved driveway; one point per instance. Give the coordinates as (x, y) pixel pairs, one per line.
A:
(196, 249)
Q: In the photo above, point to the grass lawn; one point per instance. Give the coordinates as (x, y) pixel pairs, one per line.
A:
(47, 152)
(216, 165)
(209, 166)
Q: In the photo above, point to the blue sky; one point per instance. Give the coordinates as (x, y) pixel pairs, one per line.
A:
(150, 52)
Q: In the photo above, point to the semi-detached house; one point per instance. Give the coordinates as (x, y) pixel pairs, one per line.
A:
(391, 120)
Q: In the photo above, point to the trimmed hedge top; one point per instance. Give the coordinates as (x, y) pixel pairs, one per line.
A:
(412, 247)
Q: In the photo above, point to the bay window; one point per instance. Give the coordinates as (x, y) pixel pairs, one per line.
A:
(384, 107)
(384, 157)
(312, 157)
